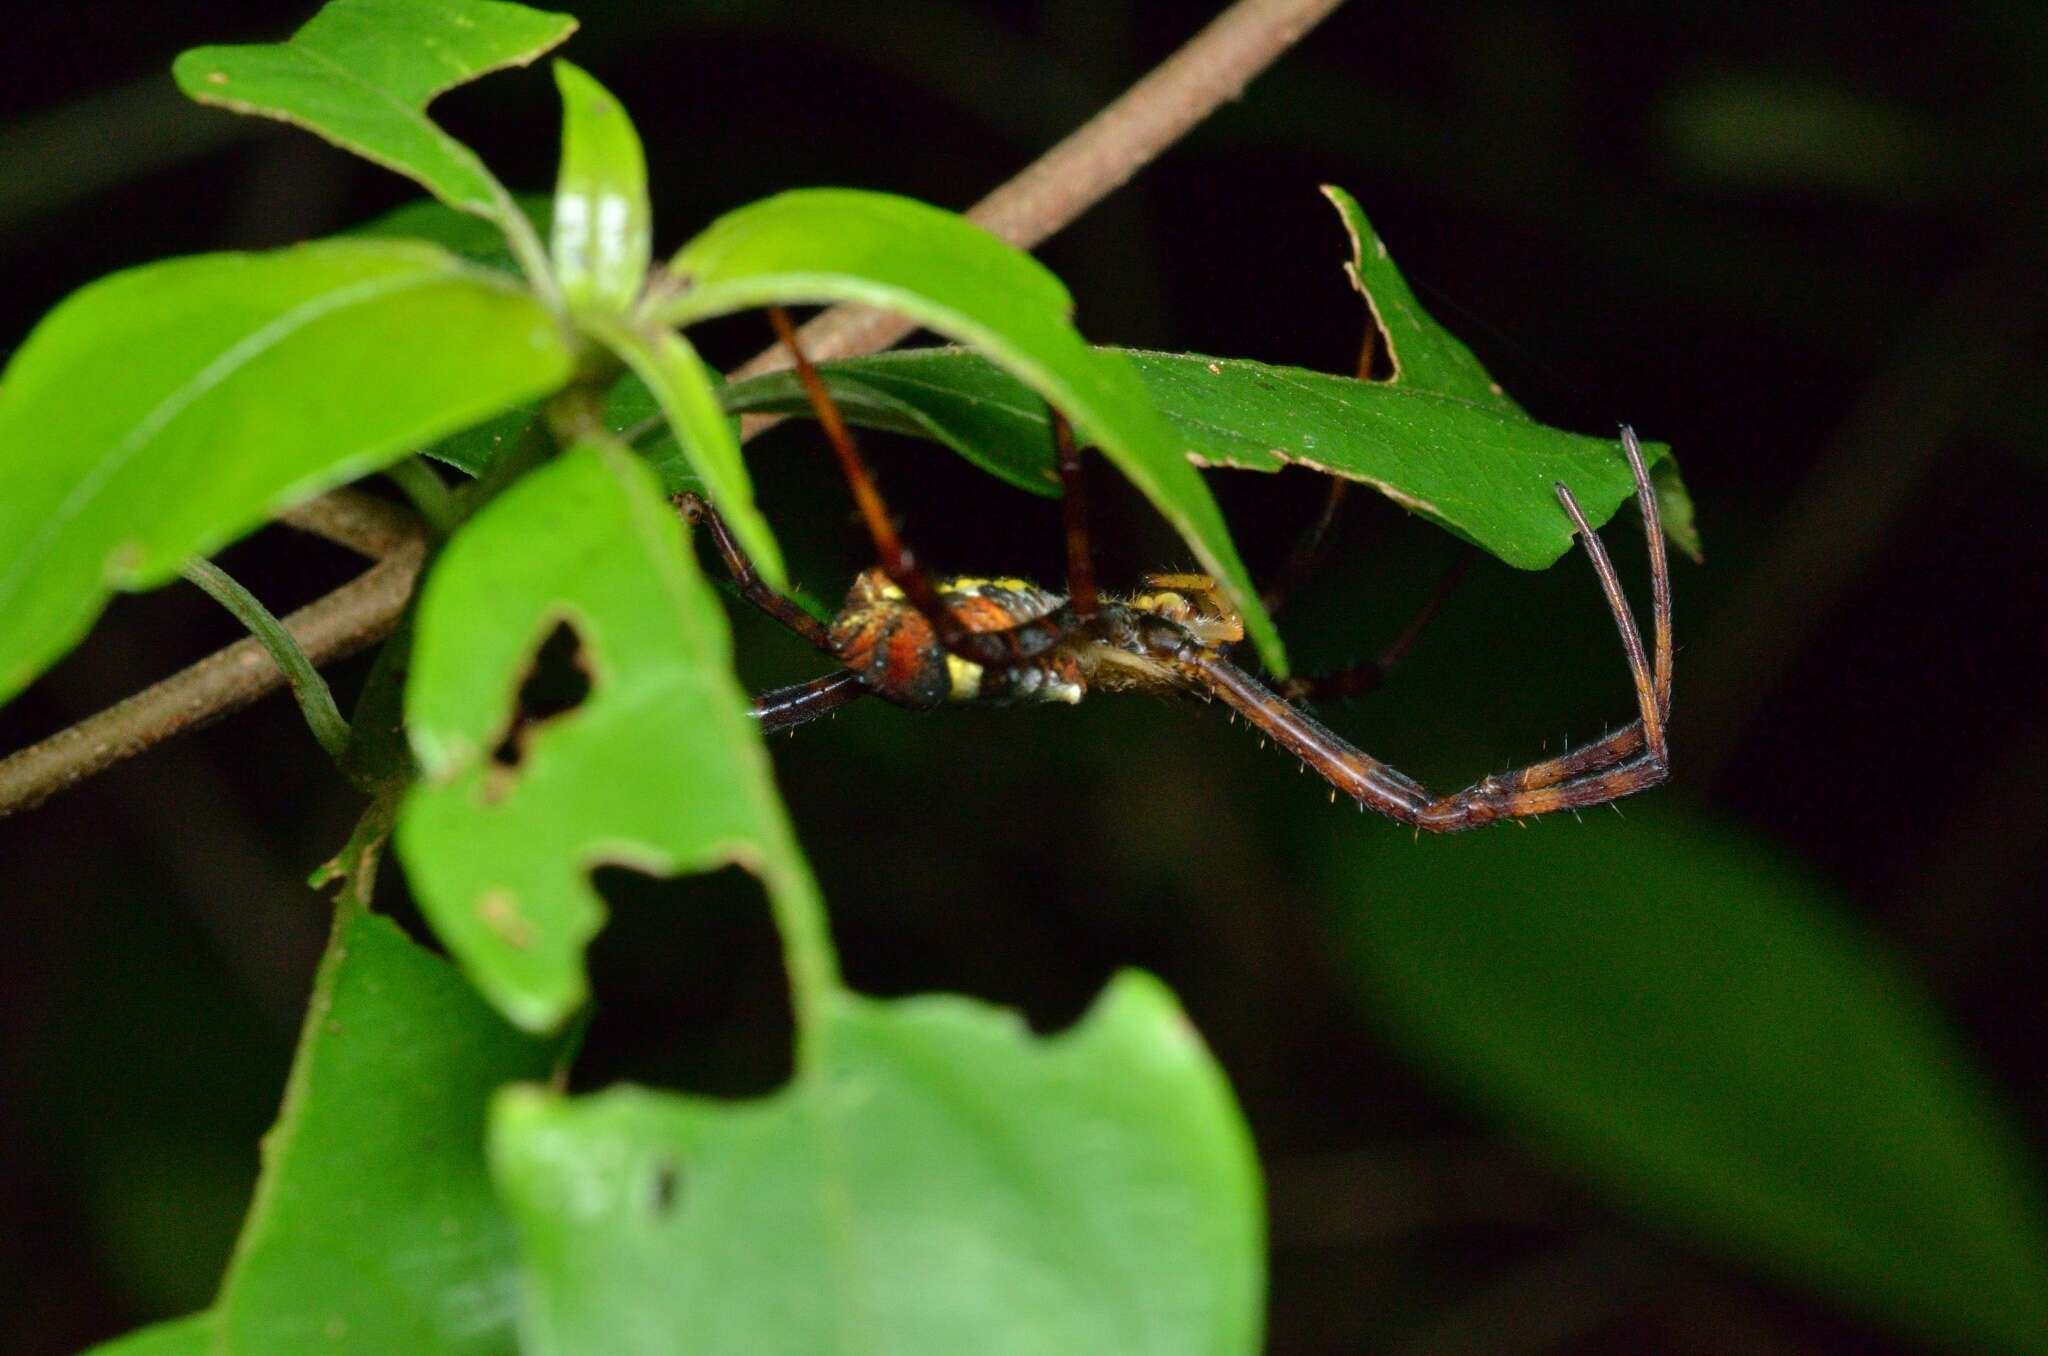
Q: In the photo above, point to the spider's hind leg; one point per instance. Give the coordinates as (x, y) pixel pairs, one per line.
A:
(1359, 679)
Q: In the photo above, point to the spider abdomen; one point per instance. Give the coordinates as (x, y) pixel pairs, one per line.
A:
(881, 635)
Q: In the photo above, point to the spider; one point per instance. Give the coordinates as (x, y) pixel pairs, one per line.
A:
(921, 643)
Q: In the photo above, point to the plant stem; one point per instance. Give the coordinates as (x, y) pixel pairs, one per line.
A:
(428, 492)
(309, 689)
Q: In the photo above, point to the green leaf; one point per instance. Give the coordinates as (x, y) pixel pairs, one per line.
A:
(825, 245)
(1699, 1027)
(361, 72)
(1485, 474)
(629, 407)
(950, 1184)
(162, 412)
(1424, 355)
(374, 1227)
(688, 394)
(603, 227)
(1675, 509)
(660, 767)
(1427, 357)
(192, 1335)
(471, 237)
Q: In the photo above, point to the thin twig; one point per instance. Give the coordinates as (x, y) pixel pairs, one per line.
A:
(1093, 161)
(1100, 156)
(309, 689)
(363, 523)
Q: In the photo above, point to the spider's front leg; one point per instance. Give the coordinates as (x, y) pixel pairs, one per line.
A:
(1630, 760)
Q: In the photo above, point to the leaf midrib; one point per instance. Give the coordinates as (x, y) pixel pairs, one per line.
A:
(207, 379)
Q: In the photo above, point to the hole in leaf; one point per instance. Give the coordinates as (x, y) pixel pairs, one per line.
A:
(695, 994)
(664, 1189)
(557, 682)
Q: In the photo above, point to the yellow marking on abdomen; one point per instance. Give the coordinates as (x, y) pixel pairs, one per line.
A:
(966, 676)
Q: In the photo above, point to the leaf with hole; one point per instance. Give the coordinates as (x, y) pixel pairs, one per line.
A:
(1484, 474)
(939, 269)
(361, 73)
(945, 1183)
(1701, 1028)
(160, 413)
(658, 766)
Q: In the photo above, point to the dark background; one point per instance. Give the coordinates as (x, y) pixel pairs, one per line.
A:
(1799, 243)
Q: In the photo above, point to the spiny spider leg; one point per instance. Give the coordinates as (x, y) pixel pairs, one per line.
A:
(997, 649)
(1593, 776)
(697, 510)
(1626, 742)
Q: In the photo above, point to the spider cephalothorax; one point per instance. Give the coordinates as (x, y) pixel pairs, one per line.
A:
(922, 643)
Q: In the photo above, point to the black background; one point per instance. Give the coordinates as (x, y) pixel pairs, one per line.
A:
(1798, 243)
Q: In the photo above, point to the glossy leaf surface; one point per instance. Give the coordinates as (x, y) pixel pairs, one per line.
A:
(602, 223)
(669, 368)
(192, 1335)
(1424, 355)
(1485, 474)
(374, 1228)
(949, 1183)
(824, 245)
(361, 72)
(658, 766)
(1704, 1032)
(162, 412)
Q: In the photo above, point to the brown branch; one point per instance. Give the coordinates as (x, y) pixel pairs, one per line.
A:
(1097, 158)
(363, 523)
(353, 617)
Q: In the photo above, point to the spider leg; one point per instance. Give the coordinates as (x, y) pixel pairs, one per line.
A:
(696, 510)
(788, 707)
(1302, 559)
(996, 649)
(1360, 679)
(1081, 595)
(1628, 741)
(1630, 760)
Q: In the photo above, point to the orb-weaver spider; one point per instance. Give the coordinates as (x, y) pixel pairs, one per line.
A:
(921, 643)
